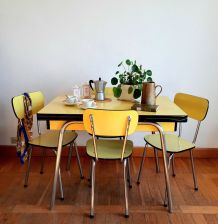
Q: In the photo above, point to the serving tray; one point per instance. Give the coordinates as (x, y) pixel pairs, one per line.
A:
(144, 107)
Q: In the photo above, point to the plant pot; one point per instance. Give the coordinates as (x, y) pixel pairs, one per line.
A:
(125, 95)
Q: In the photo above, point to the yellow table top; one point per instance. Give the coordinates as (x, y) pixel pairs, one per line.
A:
(167, 110)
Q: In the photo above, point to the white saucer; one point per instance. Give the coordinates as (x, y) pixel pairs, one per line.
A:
(84, 108)
(70, 104)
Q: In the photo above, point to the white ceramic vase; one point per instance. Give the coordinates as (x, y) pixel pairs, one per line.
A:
(128, 96)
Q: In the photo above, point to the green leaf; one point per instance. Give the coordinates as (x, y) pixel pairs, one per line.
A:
(135, 68)
(120, 64)
(149, 72)
(114, 81)
(117, 72)
(149, 79)
(117, 91)
(137, 93)
(130, 89)
(128, 62)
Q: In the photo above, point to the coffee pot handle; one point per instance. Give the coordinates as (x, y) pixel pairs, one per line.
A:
(90, 84)
(159, 90)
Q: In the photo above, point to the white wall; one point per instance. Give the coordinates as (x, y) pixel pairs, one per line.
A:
(50, 45)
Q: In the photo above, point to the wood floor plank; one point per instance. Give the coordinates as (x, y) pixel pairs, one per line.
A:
(31, 205)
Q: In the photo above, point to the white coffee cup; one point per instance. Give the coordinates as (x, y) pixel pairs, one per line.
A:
(88, 103)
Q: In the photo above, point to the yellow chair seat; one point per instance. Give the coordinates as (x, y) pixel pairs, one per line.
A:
(174, 143)
(109, 149)
(49, 139)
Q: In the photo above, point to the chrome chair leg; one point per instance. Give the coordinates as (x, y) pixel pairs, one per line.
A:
(58, 157)
(28, 167)
(69, 156)
(90, 174)
(60, 183)
(78, 161)
(129, 174)
(170, 159)
(156, 158)
(193, 171)
(142, 164)
(125, 188)
(60, 180)
(93, 188)
(43, 160)
(173, 165)
(156, 161)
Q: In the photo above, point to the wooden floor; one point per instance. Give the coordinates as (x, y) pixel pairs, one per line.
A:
(31, 205)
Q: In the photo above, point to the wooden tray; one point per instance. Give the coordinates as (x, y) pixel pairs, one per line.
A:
(103, 101)
(143, 107)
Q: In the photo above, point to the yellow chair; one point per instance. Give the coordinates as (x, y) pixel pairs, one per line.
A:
(109, 124)
(46, 140)
(196, 108)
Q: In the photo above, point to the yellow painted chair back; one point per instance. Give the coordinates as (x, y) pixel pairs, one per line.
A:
(18, 106)
(37, 99)
(195, 107)
(107, 123)
(110, 123)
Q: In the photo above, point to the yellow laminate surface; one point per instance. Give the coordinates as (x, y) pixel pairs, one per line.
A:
(166, 108)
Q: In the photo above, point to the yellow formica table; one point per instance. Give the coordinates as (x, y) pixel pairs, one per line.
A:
(56, 113)
(167, 115)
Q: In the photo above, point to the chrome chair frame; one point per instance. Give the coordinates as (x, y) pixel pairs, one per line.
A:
(126, 171)
(165, 163)
(57, 165)
(43, 158)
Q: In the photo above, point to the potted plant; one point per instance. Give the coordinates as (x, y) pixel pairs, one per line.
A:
(128, 80)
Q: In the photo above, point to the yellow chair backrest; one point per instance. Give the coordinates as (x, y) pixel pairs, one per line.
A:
(37, 99)
(18, 106)
(195, 107)
(110, 123)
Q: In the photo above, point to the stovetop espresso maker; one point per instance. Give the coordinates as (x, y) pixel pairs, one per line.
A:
(99, 88)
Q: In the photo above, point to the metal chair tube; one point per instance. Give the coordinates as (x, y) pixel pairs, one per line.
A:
(125, 188)
(193, 171)
(28, 167)
(129, 174)
(93, 188)
(69, 156)
(156, 161)
(166, 171)
(142, 164)
(60, 141)
(78, 161)
(43, 160)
